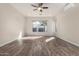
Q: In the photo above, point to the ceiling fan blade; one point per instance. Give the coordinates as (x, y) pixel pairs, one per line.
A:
(34, 5)
(34, 9)
(40, 4)
(45, 7)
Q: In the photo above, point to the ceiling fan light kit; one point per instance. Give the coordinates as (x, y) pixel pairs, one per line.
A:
(39, 8)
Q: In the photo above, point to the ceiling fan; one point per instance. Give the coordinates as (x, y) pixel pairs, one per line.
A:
(39, 7)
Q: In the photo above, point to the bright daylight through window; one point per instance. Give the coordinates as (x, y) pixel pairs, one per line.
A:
(39, 26)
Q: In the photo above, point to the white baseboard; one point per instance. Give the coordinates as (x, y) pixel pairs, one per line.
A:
(6, 43)
(69, 41)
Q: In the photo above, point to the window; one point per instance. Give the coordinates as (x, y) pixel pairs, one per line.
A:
(39, 26)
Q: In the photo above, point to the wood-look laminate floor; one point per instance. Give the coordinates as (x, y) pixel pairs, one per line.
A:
(39, 47)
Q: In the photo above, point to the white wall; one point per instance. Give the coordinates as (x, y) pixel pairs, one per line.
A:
(11, 23)
(68, 25)
(50, 26)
